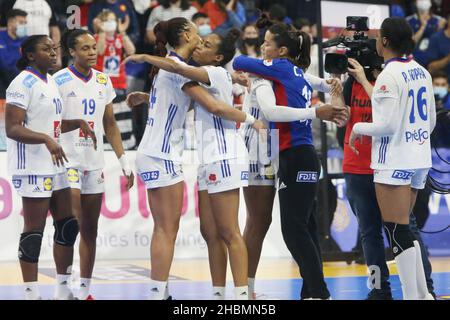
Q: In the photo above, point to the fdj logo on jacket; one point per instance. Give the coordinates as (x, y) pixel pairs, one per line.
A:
(307, 176)
(402, 175)
(150, 175)
(417, 135)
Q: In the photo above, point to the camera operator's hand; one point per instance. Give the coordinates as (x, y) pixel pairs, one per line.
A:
(356, 70)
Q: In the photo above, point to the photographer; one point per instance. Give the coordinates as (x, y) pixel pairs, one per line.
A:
(359, 180)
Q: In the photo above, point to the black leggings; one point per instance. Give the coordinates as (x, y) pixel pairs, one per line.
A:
(299, 175)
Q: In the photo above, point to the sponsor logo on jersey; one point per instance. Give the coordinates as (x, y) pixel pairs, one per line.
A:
(101, 180)
(29, 81)
(244, 175)
(307, 176)
(63, 78)
(402, 174)
(14, 95)
(268, 62)
(282, 186)
(419, 136)
(91, 125)
(150, 175)
(56, 129)
(42, 96)
(100, 95)
(17, 183)
(72, 95)
(383, 90)
(37, 189)
(72, 175)
(48, 184)
(101, 78)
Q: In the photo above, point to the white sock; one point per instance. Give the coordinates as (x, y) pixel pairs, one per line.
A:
(157, 289)
(420, 274)
(241, 293)
(32, 291)
(166, 291)
(218, 293)
(407, 273)
(85, 285)
(63, 291)
(251, 288)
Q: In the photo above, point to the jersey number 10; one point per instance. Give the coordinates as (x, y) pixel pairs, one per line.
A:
(421, 105)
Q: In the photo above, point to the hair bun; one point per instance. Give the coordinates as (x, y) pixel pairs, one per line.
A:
(264, 21)
(233, 35)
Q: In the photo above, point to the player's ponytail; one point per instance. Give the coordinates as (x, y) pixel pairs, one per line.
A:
(298, 44)
(28, 46)
(399, 35)
(168, 32)
(303, 59)
(69, 39)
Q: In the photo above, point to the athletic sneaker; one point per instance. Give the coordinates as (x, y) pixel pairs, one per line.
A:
(377, 294)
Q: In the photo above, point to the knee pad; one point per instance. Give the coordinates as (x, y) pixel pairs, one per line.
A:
(66, 231)
(400, 237)
(30, 246)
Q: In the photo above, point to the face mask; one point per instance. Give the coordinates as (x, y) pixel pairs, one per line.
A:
(440, 92)
(21, 31)
(251, 41)
(423, 5)
(204, 30)
(110, 26)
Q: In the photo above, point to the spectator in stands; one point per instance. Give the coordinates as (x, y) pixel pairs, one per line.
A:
(438, 54)
(202, 22)
(41, 19)
(167, 10)
(113, 45)
(250, 43)
(304, 25)
(225, 15)
(122, 9)
(441, 93)
(10, 42)
(277, 12)
(424, 25)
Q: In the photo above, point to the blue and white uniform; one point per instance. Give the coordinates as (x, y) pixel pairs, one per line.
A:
(84, 98)
(261, 171)
(222, 153)
(404, 115)
(160, 152)
(33, 173)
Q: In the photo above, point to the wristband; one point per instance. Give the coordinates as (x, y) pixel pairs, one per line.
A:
(249, 119)
(125, 164)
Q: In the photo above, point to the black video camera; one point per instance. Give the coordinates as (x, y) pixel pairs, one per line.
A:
(358, 47)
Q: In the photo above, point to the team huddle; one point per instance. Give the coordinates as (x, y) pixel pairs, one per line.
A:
(55, 124)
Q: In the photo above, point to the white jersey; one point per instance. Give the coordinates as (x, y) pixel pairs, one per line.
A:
(168, 105)
(251, 106)
(84, 98)
(41, 100)
(409, 146)
(217, 138)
